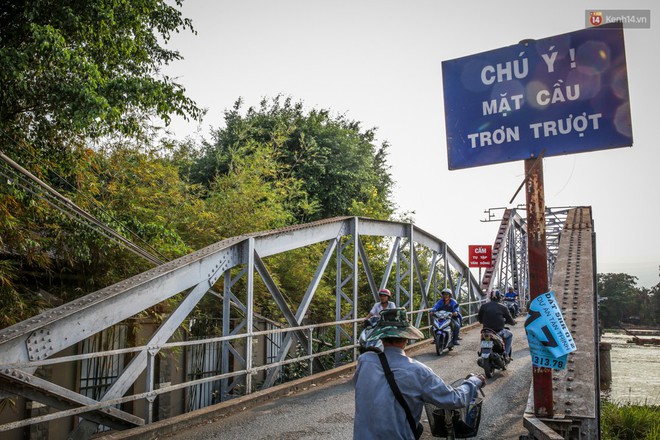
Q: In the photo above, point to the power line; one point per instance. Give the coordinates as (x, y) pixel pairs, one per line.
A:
(90, 199)
(27, 186)
(72, 207)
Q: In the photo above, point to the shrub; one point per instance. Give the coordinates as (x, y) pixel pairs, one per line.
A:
(630, 421)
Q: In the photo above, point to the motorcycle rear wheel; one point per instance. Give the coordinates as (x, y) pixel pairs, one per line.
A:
(488, 368)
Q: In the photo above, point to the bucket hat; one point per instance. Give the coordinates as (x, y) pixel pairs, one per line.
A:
(394, 324)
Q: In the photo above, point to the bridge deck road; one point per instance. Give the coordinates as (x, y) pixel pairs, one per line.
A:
(326, 411)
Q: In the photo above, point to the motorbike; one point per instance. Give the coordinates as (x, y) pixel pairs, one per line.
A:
(455, 423)
(511, 305)
(369, 326)
(491, 354)
(442, 331)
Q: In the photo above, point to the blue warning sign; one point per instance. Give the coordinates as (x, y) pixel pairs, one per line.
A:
(563, 94)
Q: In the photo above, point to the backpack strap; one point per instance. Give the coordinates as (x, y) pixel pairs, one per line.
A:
(417, 428)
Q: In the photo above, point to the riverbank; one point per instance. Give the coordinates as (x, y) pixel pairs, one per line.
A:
(635, 371)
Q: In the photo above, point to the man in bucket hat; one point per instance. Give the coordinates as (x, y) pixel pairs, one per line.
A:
(378, 413)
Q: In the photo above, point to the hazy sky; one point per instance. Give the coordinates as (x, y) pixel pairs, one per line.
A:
(379, 62)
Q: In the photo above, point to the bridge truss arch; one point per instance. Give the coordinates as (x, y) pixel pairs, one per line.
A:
(47, 358)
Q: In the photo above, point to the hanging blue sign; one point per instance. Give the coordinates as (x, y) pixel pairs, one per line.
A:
(564, 94)
(549, 339)
(542, 357)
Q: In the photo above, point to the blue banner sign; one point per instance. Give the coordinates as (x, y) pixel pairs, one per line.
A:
(541, 356)
(564, 94)
(549, 339)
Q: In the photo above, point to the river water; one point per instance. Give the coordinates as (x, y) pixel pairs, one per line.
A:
(635, 371)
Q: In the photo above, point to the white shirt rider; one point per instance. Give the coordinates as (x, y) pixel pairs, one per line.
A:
(384, 303)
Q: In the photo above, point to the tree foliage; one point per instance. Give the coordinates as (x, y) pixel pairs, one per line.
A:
(624, 302)
(74, 75)
(47, 247)
(87, 68)
(336, 166)
(81, 88)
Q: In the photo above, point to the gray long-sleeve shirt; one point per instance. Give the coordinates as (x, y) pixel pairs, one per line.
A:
(378, 415)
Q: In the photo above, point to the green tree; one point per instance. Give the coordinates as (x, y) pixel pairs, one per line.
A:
(340, 170)
(87, 68)
(75, 74)
(248, 198)
(624, 298)
(654, 310)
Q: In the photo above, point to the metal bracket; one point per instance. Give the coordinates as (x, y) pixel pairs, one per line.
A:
(220, 267)
(39, 345)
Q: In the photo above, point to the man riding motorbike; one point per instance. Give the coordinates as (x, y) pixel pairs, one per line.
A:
(384, 295)
(512, 296)
(494, 316)
(372, 319)
(447, 303)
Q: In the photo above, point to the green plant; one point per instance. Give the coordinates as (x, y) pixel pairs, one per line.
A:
(630, 421)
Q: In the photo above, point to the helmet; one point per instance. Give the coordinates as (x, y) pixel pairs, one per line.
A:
(446, 291)
(385, 292)
(496, 296)
(394, 324)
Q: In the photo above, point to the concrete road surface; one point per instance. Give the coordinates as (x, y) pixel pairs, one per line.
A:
(326, 411)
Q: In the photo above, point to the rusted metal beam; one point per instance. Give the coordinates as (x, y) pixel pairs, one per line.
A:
(538, 271)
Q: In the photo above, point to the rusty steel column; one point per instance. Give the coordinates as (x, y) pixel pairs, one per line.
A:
(538, 272)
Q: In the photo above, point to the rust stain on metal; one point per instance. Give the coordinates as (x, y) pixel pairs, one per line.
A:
(538, 273)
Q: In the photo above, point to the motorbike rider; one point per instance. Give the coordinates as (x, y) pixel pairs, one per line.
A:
(494, 316)
(378, 414)
(449, 304)
(384, 295)
(512, 295)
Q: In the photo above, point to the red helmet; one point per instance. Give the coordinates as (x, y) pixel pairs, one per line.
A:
(385, 292)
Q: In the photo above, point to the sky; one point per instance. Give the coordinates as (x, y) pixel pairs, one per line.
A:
(380, 62)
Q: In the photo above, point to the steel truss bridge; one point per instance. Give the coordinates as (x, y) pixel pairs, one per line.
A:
(101, 363)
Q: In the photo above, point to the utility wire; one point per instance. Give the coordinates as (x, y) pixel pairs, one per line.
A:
(85, 196)
(29, 187)
(80, 212)
(40, 189)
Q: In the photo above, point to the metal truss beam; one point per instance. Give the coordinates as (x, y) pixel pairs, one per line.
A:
(35, 341)
(35, 388)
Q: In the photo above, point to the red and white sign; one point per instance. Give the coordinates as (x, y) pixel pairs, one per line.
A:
(480, 255)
